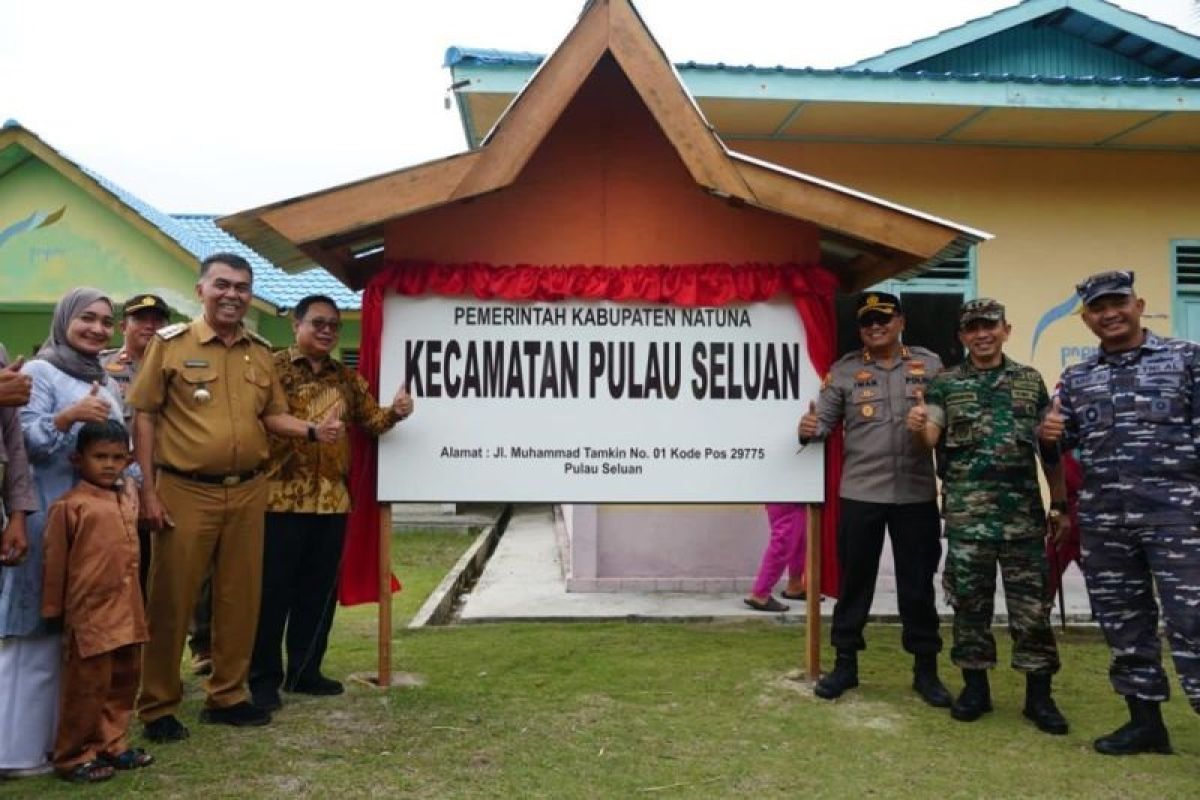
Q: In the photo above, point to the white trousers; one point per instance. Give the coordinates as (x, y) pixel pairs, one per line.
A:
(29, 670)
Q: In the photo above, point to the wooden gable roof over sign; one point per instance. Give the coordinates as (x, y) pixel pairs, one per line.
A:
(864, 238)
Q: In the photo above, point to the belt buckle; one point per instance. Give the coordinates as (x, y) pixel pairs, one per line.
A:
(231, 480)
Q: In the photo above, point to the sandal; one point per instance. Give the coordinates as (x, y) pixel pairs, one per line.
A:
(770, 604)
(92, 771)
(133, 758)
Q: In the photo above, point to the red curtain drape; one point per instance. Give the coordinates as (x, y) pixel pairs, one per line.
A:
(810, 286)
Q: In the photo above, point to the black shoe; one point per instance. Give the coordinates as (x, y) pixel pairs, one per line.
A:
(932, 690)
(1040, 707)
(266, 699)
(975, 699)
(165, 729)
(1144, 733)
(239, 715)
(843, 677)
(320, 686)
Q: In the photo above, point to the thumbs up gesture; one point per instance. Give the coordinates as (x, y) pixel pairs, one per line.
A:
(918, 415)
(91, 407)
(331, 428)
(14, 387)
(1053, 424)
(809, 424)
(402, 405)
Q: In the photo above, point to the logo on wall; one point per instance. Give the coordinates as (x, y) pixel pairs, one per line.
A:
(38, 219)
(1064, 309)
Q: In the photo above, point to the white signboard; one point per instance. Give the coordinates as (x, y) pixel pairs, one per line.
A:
(597, 402)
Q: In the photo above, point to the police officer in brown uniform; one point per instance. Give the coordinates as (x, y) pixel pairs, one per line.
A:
(209, 395)
(141, 317)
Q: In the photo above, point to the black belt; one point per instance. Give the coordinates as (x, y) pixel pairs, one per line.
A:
(232, 479)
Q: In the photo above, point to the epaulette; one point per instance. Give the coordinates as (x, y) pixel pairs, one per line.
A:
(171, 331)
(257, 337)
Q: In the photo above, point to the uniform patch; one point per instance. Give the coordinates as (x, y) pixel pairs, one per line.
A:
(863, 375)
(195, 362)
(867, 394)
(916, 368)
(868, 411)
(171, 331)
(113, 366)
(825, 383)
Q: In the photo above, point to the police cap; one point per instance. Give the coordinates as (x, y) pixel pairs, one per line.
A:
(879, 303)
(145, 302)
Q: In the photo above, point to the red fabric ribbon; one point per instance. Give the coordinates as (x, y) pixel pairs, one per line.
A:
(811, 287)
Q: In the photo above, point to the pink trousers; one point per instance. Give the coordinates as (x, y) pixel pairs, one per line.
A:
(786, 549)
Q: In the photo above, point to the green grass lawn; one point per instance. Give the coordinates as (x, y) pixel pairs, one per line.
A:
(644, 710)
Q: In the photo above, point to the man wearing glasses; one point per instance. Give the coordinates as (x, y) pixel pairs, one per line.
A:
(887, 482)
(1132, 410)
(307, 505)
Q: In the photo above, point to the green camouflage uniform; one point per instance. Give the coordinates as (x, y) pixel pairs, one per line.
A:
(993, 509)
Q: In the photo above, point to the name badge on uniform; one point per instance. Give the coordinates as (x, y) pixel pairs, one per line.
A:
(195, 362)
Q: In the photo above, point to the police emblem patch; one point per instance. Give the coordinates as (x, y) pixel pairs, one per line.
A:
(868, 411)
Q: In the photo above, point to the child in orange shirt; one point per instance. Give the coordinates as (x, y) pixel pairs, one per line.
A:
(91, 583)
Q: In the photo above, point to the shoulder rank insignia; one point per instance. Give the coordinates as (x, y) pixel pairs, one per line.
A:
(171, 331)
(257, 337)
(827, 380)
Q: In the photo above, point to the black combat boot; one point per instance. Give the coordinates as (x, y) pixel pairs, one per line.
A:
(843, 677)
(1039, 705)
(1144, 733)
(976, 697)
(927, 683)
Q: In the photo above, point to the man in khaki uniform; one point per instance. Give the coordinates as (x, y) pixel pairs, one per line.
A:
(208, 393)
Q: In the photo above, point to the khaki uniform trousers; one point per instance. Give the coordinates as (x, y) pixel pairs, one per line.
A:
(221, 526)
(95, 704)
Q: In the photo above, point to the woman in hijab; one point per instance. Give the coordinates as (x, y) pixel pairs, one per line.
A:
(69, 388)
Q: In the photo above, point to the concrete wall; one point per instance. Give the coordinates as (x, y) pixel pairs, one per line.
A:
(1058, 215)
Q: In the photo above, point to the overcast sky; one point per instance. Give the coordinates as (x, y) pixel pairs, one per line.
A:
(220, 105)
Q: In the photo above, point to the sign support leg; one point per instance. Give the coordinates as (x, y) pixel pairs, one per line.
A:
(812, 569)
(385, 595)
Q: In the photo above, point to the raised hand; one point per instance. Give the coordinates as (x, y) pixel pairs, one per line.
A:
(809, 424)
(918, 415)
(91, 407)
(402, 405)
(331, 428)
(14, 387)
(1051, 429)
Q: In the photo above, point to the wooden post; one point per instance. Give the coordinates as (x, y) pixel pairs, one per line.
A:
(812, 569)
(385, 595)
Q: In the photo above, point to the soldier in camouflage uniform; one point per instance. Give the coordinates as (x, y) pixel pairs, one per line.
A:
(1132, 410)
(983, 414)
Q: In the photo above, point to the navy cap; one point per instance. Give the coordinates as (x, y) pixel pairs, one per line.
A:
(880, 303)
(1118, 281)
(982, 308)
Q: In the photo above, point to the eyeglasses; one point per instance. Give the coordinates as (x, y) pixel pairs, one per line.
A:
(331, 325)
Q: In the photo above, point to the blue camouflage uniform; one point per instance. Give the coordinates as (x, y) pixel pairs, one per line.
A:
(1134, 416)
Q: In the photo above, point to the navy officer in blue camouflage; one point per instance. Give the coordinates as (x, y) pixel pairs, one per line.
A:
(1133, 411)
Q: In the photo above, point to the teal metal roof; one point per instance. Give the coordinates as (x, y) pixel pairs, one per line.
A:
(1098, 29)
(271, 283)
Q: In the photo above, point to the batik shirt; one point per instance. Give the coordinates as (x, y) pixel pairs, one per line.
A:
(310, 477)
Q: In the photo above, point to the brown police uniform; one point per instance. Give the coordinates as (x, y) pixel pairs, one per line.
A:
(90, 580)
(210, 448)
(121, 368)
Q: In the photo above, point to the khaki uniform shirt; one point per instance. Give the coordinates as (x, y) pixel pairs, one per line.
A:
(310, 477)
(209, 397)
(121, 368)
(882, 462)
(91, 568)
